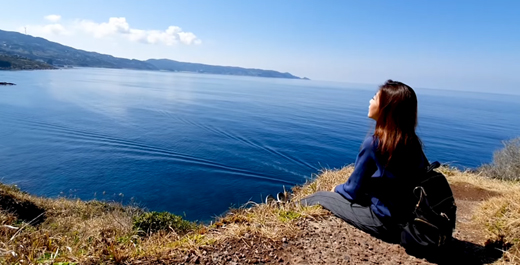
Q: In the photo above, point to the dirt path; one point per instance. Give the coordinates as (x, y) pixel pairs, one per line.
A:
(332, 241)
(329, 240)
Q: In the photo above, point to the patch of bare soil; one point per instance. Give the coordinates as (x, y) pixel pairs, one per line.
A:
(464, 191)
(468, 198)
(329, 240)
(22, 209)
(332, 241)
(247, 250)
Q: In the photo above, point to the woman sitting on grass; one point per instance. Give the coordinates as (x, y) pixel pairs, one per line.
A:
(376, 198)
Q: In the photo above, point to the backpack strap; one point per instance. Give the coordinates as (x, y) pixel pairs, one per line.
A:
(430, 166)
(433, 166)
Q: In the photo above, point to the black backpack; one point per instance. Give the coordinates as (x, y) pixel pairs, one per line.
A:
(432, 222)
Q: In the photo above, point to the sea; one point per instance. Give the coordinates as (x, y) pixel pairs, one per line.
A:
(197, 144)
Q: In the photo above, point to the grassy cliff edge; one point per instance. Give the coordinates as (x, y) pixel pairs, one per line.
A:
(37, 230)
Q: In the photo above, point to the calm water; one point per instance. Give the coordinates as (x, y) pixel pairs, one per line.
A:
(197, 144)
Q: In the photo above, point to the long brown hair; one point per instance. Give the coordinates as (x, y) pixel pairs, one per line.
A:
(397, 120)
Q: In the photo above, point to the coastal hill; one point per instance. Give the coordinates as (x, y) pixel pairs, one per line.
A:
(14, 62)
(40, 49)
(170, 65)
(35, 48)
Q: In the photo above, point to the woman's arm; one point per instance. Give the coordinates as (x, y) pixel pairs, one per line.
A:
(364, 167)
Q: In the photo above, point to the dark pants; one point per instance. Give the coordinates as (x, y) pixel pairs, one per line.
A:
(357, 215)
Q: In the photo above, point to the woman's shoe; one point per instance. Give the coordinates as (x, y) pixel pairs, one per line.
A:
(281, 197)
(269, 199)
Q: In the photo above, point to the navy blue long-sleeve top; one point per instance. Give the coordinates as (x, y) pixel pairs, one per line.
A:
(387, 189)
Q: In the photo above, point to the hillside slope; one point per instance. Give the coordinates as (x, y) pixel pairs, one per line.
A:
(10, 62)
(171, 65)
(14, 43)
(35, 48)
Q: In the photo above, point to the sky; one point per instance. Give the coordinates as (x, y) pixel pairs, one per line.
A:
(457, 45)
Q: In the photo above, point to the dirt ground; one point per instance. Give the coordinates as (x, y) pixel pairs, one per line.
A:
(329, 240)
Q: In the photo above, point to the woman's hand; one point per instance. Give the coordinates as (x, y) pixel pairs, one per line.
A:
(333, 189)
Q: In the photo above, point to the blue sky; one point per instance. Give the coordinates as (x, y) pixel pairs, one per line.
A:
(462, 45)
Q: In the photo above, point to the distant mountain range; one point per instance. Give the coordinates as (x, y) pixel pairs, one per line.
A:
(17, 45)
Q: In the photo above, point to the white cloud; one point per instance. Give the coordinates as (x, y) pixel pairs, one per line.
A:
(119, 26)
(116, 27)
(53, 18)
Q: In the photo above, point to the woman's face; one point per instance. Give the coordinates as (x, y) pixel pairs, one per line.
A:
(373, 109)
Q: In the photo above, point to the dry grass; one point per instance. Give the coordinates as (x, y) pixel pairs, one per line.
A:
(501, 218)
(327, 180)
(91, 232)
(97, 232)
(73, 230)
(500, 215)
(476, 178)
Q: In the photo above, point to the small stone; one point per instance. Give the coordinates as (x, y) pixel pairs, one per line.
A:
(195, 259)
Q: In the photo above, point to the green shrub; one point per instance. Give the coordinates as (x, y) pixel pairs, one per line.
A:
(287, 216)
(506, 162)
(152, 222)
